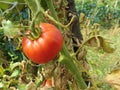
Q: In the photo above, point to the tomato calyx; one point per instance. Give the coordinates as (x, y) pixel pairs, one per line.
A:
(34, 34)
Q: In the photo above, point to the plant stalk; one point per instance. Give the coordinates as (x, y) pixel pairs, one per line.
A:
(65, 57)
(67, 60)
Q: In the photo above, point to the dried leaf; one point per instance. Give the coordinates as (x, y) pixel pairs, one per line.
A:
(92, 42)
(3, 59)
(95, 41)
(31, 86)
(99, 41)
(82, 54)
(106, 47)
(82, 18)
(114, 79)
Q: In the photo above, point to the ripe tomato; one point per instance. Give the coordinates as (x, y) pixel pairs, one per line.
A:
(44, 48)
(47, 83)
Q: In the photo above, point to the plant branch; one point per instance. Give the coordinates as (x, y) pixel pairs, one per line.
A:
(33, 20)
(52, 9)
(67, 60)
(12, 7)
(65, 57)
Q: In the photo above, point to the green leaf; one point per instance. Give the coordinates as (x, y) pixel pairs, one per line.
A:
(44, 4)
(32, 5)
(15, 73)
(4, 4)
(9, 30)
(21, 87)
(13, 66)
(7, 4)
(1, 71)
(1, 85)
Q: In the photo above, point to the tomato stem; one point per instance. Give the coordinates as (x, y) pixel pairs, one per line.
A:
(33, 20)
(52, 9)
(65, 57)
(35, 31)
(55, 19)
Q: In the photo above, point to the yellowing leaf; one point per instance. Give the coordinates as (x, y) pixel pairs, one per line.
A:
(99, 41)
(31, 86)
(106, 47)
(95, 41)
(1, 71)
(114, 79)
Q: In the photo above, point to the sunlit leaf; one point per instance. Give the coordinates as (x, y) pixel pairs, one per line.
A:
(1, 71)
(114, 79)
(106, 47)
(12, 66)
(1, 85)
(21, 86)
(9, 30)
(15, 73)
(5, 4)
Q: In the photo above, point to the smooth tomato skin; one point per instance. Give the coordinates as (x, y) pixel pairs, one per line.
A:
(46, 47)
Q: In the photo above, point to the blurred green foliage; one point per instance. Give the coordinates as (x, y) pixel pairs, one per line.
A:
(104, 12)
(9, 46)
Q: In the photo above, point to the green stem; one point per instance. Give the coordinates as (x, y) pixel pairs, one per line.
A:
(52, 19)
(65, 57)
(67, 60)
(38, 3)
(33, 20)
(52, 9)
(55, 21)
(54, 14)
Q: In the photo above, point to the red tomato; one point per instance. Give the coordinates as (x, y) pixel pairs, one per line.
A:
(46, 47)
(47, 83)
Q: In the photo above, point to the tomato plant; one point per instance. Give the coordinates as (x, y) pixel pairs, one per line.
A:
(44, 48)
